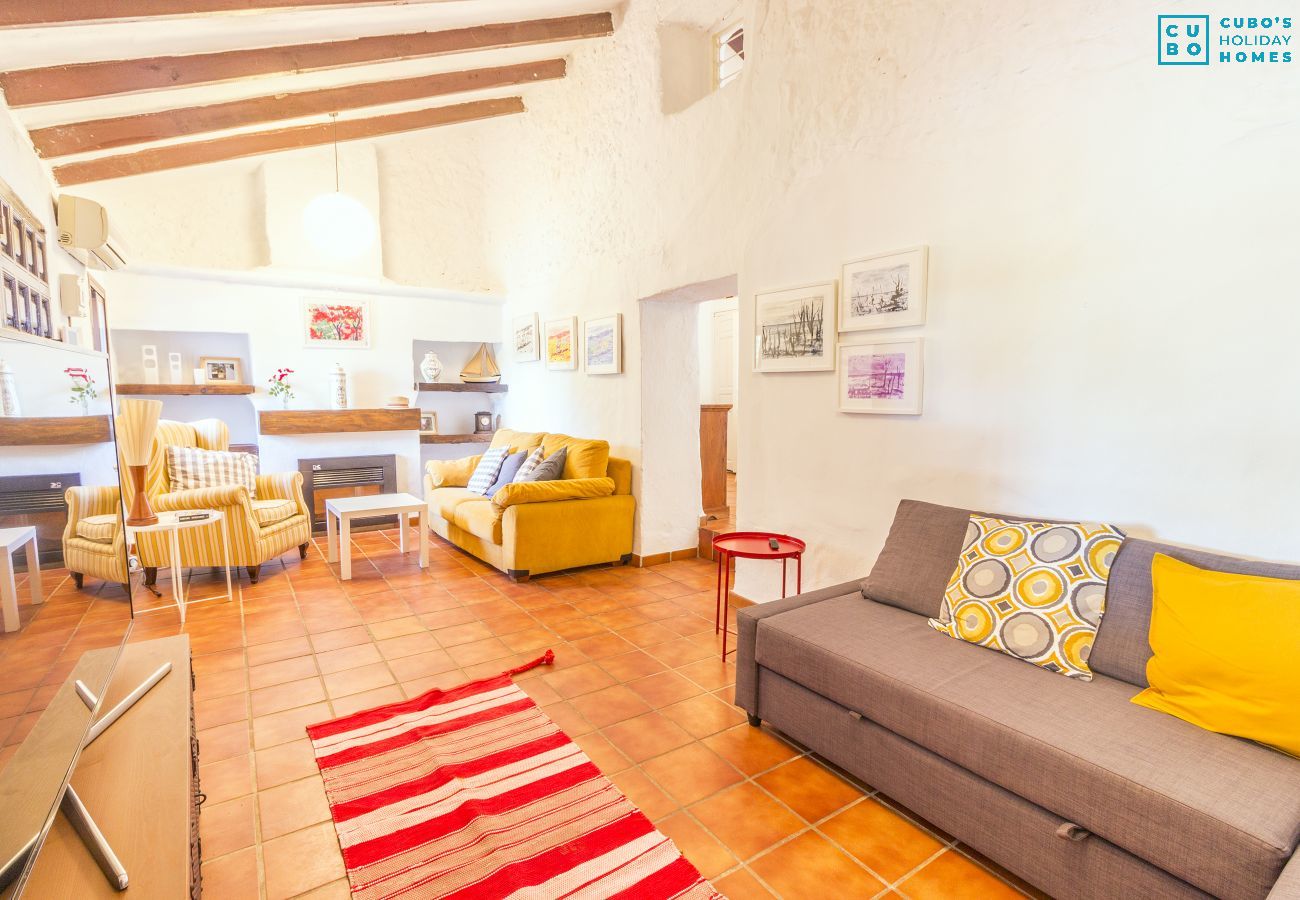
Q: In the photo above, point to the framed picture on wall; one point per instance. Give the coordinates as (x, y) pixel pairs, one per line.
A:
(882, 377)
(790, 329)
(336, 323)
(602, 341)
(527, 345)
(885, 291)
(220, 370)
(428, 422)
(561, 343)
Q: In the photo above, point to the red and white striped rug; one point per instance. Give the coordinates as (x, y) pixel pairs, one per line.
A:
(474, 793)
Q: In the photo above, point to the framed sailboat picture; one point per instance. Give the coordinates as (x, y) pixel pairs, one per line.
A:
(562, 343)
(885, 291)
(602, 341)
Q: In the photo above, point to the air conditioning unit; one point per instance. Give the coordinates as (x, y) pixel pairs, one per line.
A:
(83, 226)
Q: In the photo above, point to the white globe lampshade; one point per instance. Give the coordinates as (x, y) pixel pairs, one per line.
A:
(338, 226)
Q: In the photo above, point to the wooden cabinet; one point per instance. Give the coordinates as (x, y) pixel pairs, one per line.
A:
(713, 455)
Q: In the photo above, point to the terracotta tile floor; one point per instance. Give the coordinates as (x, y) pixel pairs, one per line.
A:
(636, 682)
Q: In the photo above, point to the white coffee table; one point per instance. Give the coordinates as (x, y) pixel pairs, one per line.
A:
(345, 509)
(171, 524)
(11, 541)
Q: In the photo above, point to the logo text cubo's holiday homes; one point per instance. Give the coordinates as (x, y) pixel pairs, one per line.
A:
(1198, 40)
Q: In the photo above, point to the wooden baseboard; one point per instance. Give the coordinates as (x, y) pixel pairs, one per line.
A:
(738, 601)
(657, 559)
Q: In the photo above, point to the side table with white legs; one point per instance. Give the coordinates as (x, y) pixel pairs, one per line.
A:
(11, 541)
(172, 524)
(343, 510)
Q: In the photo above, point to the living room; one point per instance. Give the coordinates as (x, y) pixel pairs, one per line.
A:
(355, 353)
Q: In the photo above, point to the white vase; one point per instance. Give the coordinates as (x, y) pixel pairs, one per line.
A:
(339, 394)
(430, 367)
(8, 392)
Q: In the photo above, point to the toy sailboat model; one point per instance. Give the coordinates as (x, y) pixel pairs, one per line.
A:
(482, 368)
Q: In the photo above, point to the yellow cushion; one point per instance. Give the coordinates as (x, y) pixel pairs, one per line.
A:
(451, 472)
(1032, 590)
(517, 440)
(546, 491)
(621, 471)
(99, 529)
(443, 501)
(480, 519)
(268, 512)
(586, 458)
(1225, 652)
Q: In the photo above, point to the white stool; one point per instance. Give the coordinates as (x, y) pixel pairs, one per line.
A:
(11, 540)
(338, 539)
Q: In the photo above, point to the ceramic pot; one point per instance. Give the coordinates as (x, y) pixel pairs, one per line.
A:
(430, 368)
(339, 392)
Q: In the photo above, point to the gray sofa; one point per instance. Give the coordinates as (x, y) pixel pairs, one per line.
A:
(1007, 756)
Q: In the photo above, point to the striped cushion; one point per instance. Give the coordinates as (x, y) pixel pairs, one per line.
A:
(189, 468)
(486, 474)
(99, 529)
(268, 512)
(532, 462)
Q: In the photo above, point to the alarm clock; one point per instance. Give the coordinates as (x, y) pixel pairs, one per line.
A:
(482, 423)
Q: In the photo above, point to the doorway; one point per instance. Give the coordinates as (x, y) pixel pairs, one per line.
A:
(718, 348)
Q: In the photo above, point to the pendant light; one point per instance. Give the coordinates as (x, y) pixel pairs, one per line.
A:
(336, 224)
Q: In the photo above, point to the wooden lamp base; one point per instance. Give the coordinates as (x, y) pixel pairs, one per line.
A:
(141, 512)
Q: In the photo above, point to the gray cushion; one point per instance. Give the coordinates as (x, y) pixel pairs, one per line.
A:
(509, 469)
(550, 469)
(1122, 649)
(1218, 812)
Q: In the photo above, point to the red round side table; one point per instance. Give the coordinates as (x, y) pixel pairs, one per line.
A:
(751, 545)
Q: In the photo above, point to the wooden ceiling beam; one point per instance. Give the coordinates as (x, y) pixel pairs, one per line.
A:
(83, 81)
(176, 156)
(107, 134)
(67, 12)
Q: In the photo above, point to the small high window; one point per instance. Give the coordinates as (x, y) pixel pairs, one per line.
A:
(729, 53)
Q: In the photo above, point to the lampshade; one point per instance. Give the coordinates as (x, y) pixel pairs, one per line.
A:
(136, 422)
(339, 226)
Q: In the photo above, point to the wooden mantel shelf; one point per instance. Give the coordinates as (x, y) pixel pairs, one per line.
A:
(30, 431)
(482, 387)
(185, 390)
(336, 421)
(456, 438)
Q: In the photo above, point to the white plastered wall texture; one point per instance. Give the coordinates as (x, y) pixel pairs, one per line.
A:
(1112, 317)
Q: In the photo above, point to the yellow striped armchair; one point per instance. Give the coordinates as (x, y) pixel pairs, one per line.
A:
(94, 543)
(261, 527)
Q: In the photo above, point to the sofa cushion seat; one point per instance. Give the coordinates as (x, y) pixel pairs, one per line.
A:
(98, 529)
(272, 510)
(1218, 812)
(444, 500)
(480, 518)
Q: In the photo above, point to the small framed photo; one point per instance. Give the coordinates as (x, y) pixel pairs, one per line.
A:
(882, 377)
(790, 333)
(527, 345)
(220, 370)
(885, 291)
(336, 323)
(561, 344)
(602, 341)
(428, 422)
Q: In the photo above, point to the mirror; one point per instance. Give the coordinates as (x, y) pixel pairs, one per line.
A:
(64, 582)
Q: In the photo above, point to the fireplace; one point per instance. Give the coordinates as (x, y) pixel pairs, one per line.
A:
(38, 500)
(347, 476)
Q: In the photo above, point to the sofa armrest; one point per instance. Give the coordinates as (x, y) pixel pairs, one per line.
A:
(283, 486)
(89, 500)
(223, 496)
(1287, 886)
(449, 472)
(747, 620)
(547, 491)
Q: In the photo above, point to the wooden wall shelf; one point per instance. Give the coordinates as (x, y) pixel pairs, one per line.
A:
(185, 390)
(30, 431)
(456, 438)
(489, 387)
(336, 421)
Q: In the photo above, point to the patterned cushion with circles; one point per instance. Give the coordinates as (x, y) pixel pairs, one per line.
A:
(1032, 590)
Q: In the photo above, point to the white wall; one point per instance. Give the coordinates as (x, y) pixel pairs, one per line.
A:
(1112, 323)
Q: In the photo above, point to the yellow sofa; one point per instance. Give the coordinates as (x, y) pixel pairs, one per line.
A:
(528, 529)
